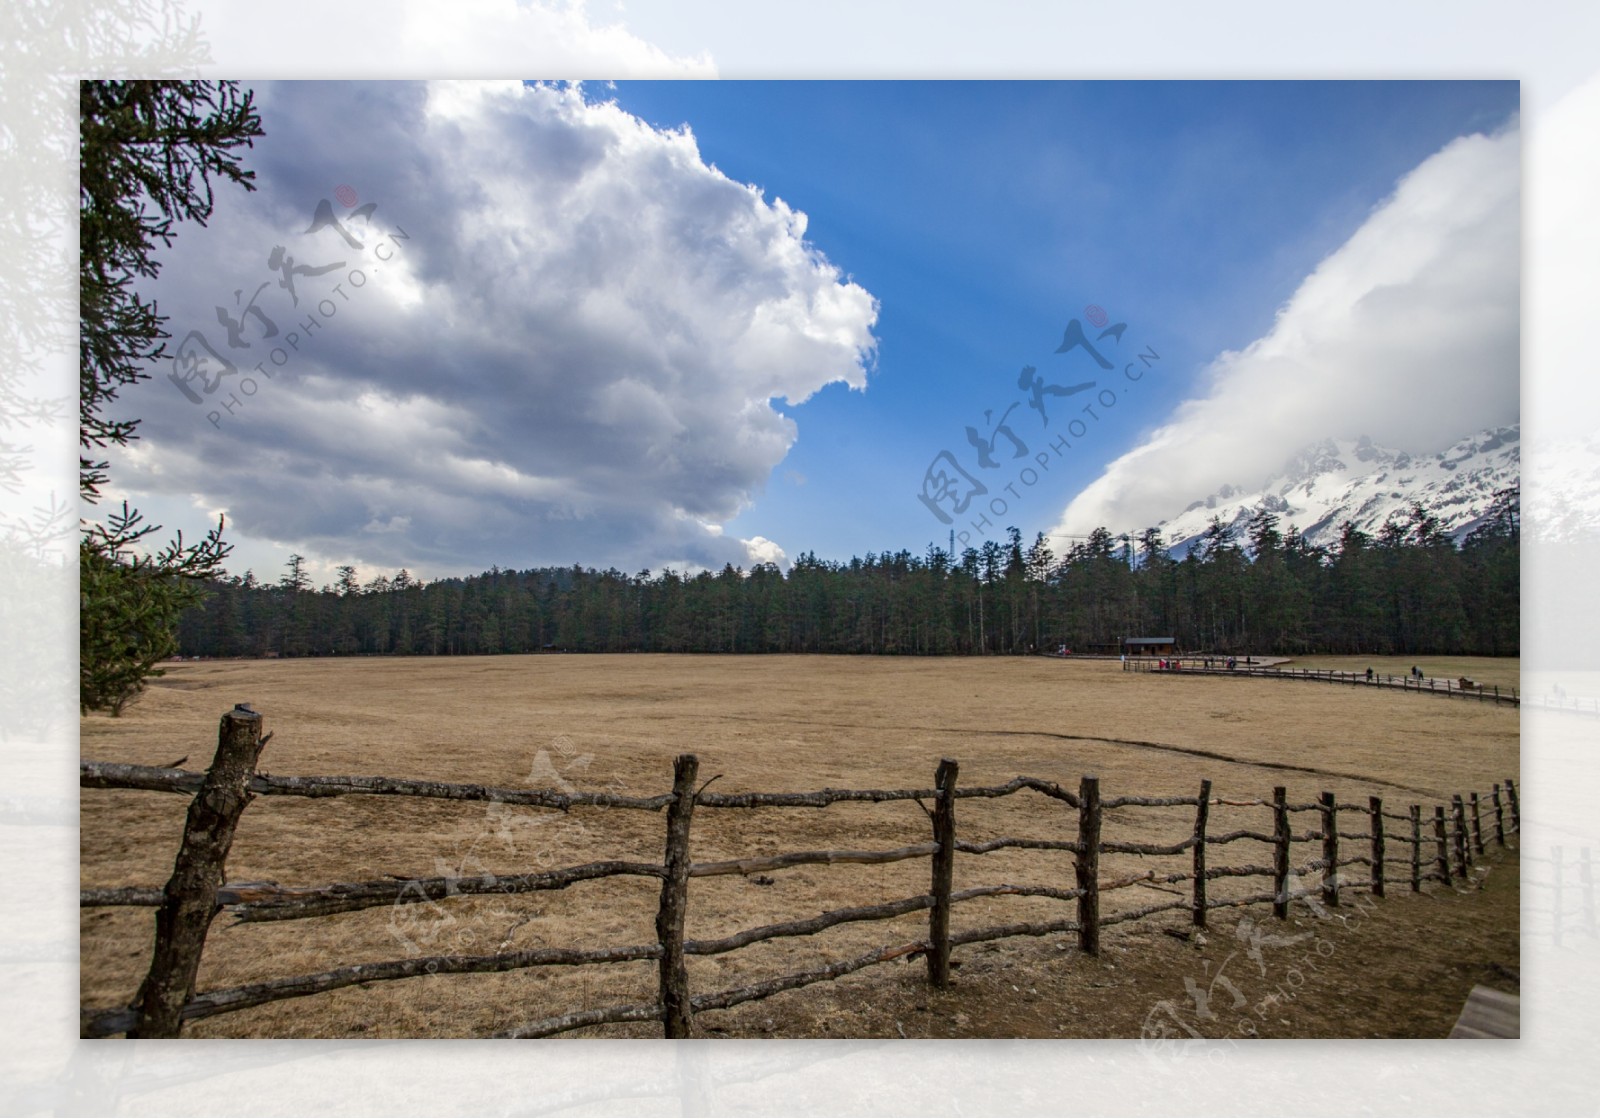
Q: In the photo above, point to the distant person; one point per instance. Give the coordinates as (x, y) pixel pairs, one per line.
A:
(1369, 675)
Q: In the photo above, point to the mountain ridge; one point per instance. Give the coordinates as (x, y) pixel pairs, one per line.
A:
(1336, 480)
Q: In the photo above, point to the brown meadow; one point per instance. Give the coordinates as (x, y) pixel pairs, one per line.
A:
(771, 724)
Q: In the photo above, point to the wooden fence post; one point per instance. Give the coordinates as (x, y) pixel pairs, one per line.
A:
(190, 898)
(1416, 848)
(1088, 865)
(1375, 809)
(944, 865)
(1202, 814)
(1586, 878)
(1516, 809)
(1556, 870)
(1458, 813)
(676, 1015)
(1330, 850)
(1477, 824)
(1442, 843)
(1499, 818)
(1280, 852)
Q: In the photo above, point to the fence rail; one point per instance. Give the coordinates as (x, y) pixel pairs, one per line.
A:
(1569, 705)
(198, 891)
(1460, 687)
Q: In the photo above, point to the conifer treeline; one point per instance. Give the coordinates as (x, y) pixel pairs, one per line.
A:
(1409, 590)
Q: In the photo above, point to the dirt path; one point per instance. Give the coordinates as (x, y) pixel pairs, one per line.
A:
(1168, 747)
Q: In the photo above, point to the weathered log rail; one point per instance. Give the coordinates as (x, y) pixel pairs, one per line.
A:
(198, 892)
(1429, 685)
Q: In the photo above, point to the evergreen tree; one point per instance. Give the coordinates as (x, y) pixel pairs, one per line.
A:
(1490, 554)
(130, 605)
(148, 152)
(347, 583)
(1412, 590)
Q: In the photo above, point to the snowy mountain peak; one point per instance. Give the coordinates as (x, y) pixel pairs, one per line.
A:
(1338, 480)
(1319, 458)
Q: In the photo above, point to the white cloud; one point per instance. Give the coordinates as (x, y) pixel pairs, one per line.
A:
(762, 550)
(385, 38)
(594, 324)
(1407, 333)
(567, 42)
(1564, 238)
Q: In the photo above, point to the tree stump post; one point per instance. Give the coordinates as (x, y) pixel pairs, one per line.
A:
(1280, 852)
(1375, 810)
(1442, 842)
(1516, 809)
(944, 864)
(1088, 865)
(676, 1014)
(1416, 848)
(1477, 824)
(189, 900)
(1499, 818)
(1458, 813)
(1202, 814)
(1330, 850)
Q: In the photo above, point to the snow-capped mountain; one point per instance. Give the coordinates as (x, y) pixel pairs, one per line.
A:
(1340, 480)
(1563, 500)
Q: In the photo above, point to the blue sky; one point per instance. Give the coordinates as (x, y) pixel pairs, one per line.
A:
(985, 215)
(564, 332)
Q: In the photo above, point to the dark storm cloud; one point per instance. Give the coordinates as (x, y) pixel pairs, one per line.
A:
(558, 338)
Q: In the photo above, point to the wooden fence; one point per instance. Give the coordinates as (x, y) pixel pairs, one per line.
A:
(1461, 688)
(1570, 705)
(198, 890)
(1564, 894)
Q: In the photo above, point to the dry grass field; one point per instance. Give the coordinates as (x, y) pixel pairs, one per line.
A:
(766, 724)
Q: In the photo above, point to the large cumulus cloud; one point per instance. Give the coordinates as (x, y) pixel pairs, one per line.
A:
(570, 352)
(1407, 333)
